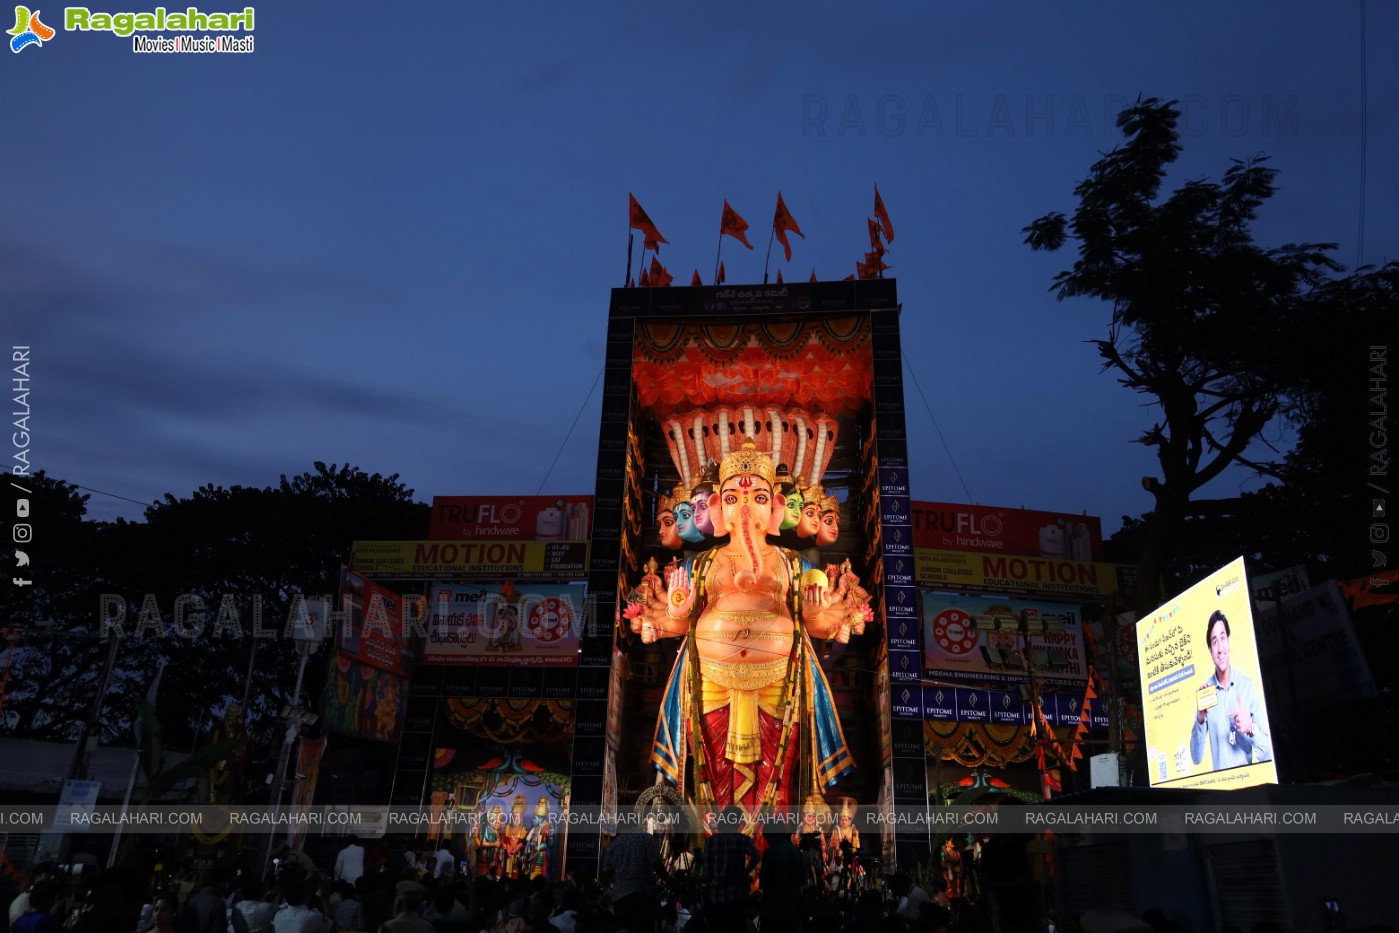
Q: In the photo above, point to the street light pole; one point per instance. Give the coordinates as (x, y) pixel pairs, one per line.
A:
(279, 777)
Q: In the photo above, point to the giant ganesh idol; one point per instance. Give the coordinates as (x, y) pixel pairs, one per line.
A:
(747, 709)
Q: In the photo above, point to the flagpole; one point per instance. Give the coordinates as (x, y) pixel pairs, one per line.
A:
(631, 237)
(717, 251)
(766, 259)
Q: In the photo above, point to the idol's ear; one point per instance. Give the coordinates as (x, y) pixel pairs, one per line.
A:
(779, 512)
(716, 516)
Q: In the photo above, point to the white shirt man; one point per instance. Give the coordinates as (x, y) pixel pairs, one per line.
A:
(349, 864)
(446, 862)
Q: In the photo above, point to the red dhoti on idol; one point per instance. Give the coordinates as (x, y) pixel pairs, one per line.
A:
(740, 706)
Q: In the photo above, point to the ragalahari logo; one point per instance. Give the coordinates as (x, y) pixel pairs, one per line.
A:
(29, 30)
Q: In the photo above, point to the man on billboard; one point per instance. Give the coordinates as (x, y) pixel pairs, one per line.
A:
(1229, 709)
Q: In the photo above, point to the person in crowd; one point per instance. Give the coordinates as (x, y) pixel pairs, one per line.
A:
(40, 872)
(286, 855)
(407, 904)
(38, 916)
(780, 882)
(296, 915)
(446, 912)
(444, 862)
(377, 895)
(349, 913)
(253, 907)
(633, 863)
(204, 911)
(911, 896)
(729, 859)
(349, 863)
(565, 919)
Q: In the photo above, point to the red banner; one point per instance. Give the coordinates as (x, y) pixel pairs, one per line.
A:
(373, 634)
(1021, 532)
(518, 518)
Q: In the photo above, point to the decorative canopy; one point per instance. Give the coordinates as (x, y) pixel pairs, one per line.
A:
(781, 384)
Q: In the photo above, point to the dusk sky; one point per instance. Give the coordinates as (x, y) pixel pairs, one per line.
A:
(388, 235)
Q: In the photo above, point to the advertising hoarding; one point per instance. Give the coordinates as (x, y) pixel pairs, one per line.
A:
(1309, 635)
(1005, 573)
(373, 633)
(514, 624)
(946, 526)
(976, 639)
(1203, 698)
(513, 518)
(412, 560)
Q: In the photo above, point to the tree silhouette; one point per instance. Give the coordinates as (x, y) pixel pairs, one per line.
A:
(241, 547)
(1201, 317)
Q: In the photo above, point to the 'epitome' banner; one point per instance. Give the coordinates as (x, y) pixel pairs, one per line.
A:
(533, 624)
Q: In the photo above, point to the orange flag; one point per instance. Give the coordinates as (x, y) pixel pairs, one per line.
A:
(876, 243)
(1369, 591)
(720, 280)
(782, 221)
(659, 277)
(813, 276)
(650, 244)
(849, 278)
(695, 279)
(645, 279)
(733, 225)
(779, 276)
(638, 220)
(883, 216)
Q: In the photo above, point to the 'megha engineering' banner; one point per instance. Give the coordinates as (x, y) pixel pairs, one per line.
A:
(510, 623)
(977, 639)
(1202, 692)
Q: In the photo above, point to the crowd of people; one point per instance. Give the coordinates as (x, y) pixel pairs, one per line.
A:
(732, 883)
(724, 885)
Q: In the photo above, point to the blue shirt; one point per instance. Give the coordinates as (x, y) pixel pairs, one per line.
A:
(1219, 723)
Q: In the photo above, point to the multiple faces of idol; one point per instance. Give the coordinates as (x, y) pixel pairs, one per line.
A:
(691, 521)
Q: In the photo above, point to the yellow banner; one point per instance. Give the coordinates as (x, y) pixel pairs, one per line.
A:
(404, 560)
(1203, 706)
(1006, 573)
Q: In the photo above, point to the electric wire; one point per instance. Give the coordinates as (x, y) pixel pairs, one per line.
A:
(570, 433)
(110, 494)
(929, 408)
